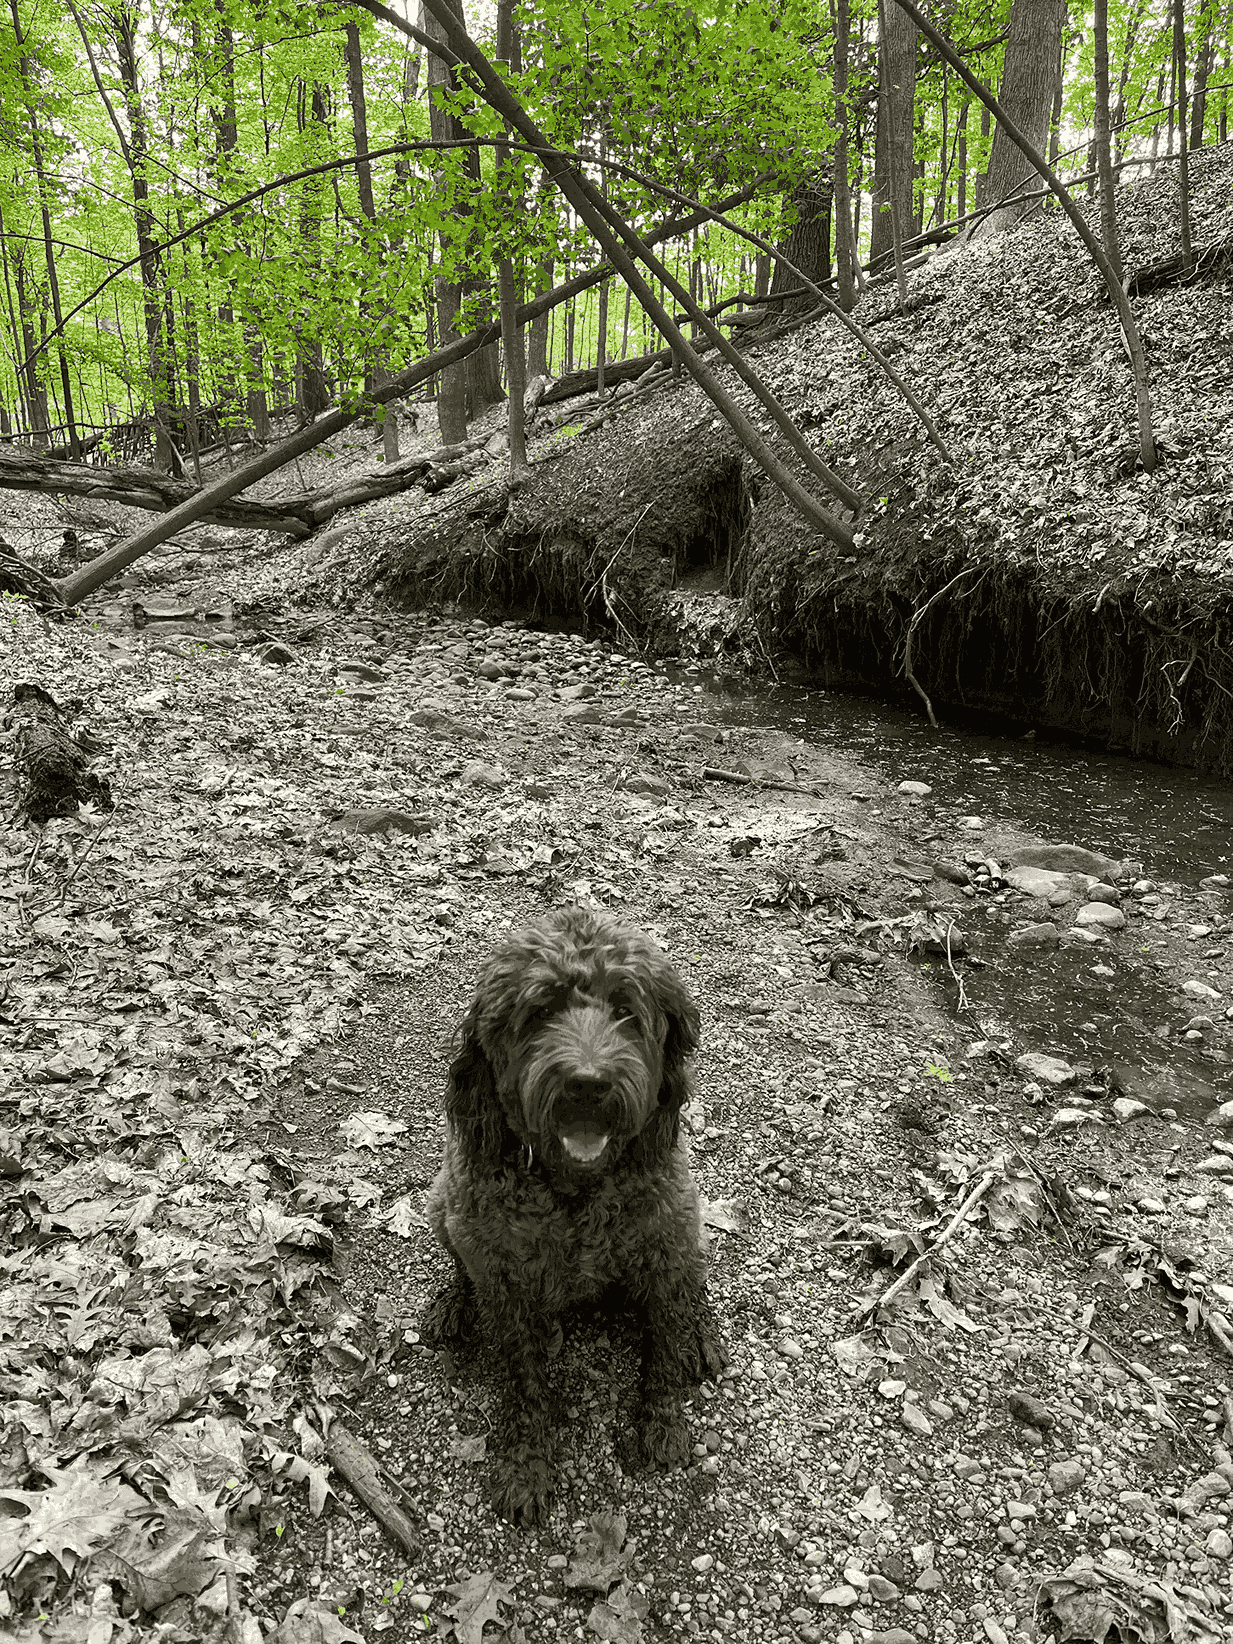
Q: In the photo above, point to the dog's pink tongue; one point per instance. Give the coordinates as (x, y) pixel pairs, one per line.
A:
(584, 1142)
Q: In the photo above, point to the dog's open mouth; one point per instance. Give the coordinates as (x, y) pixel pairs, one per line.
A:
(584, 1141)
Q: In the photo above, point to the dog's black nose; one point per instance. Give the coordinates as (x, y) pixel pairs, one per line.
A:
(587, 1087)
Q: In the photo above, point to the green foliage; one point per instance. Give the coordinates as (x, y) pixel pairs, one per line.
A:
(233, 96)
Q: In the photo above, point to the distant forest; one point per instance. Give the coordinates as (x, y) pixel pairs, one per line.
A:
(213, 211)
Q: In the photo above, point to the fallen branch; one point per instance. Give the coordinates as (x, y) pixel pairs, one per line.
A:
(357, 1464)
(905, 1278)
(712, 773)
(52, 771)
(143, 488)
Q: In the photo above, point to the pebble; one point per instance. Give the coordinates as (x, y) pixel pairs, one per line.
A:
(1221, 1116)
(1199, 990)
(1044, 935)
(1100, 915)
(1125, 1108)
(1219, 1544)
(1066, 859)
(1037, 881)
(841, 1597)
(921, 790)
(1028, 1409)
(1065, 1477)
(915, 1420)
(1050, 1070)
(1104, 893)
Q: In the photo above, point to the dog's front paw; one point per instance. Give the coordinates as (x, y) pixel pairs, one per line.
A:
(659, 1437)
(522, 1491)
(449, 1318)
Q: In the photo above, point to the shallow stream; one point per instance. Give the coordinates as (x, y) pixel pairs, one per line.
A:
(1177, 824)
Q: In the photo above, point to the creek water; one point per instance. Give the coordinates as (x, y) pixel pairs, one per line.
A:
(1100, 1005)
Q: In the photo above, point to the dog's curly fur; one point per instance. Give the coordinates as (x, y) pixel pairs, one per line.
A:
(565, 1173)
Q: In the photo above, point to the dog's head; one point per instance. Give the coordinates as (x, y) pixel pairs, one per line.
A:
(575, 1047)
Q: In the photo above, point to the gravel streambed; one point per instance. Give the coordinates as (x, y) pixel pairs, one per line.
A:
(927, 1469)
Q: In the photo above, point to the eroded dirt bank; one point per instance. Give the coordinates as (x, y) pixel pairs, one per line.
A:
(1042, 575)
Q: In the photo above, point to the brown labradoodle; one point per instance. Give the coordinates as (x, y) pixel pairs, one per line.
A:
(565, 1174)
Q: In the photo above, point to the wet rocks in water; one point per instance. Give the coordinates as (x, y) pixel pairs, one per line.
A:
(1036, 881)
(1066, 859)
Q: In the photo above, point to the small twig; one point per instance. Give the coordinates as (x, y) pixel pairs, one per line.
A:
(950, 965)
(1139, 1372)
(905, 1278)
(712, 773)
(34, 856)
(90, 844)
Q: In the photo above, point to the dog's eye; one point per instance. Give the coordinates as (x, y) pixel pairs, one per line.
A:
(622, 1010)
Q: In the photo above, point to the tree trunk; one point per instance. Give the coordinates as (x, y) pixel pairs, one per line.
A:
(312, 390)
(842, 191)
(509, 52)
(124, 25)
(1033, 45)
(53, 773)
(40, 175)
(1202, 70)
(896, 123)
(537, 337)
(808, 243)
(452, 392)
(1183, 169)
(1104, 161)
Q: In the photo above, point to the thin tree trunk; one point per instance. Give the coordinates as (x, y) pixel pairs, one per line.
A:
(508, 52)
(1130, 330)
(1033, 44)
(537, 353)
(842, 191)
(40, 175)
(452, 391)
(1183, 169)
(892, 183)
(1104, 161)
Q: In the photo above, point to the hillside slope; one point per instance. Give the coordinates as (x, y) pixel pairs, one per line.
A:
(1042, 574)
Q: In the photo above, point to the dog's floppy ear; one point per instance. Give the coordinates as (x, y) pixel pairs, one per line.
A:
(659, 1134)
(471, 1102)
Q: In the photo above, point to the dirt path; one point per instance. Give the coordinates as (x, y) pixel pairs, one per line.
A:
(1031, 1397)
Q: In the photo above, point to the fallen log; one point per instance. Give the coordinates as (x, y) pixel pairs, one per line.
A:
(53, 775)
(144, 488)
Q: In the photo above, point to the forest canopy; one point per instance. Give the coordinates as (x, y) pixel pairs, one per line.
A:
(213, 209)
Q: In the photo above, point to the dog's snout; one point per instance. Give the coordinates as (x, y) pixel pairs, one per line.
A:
(587, 1086)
